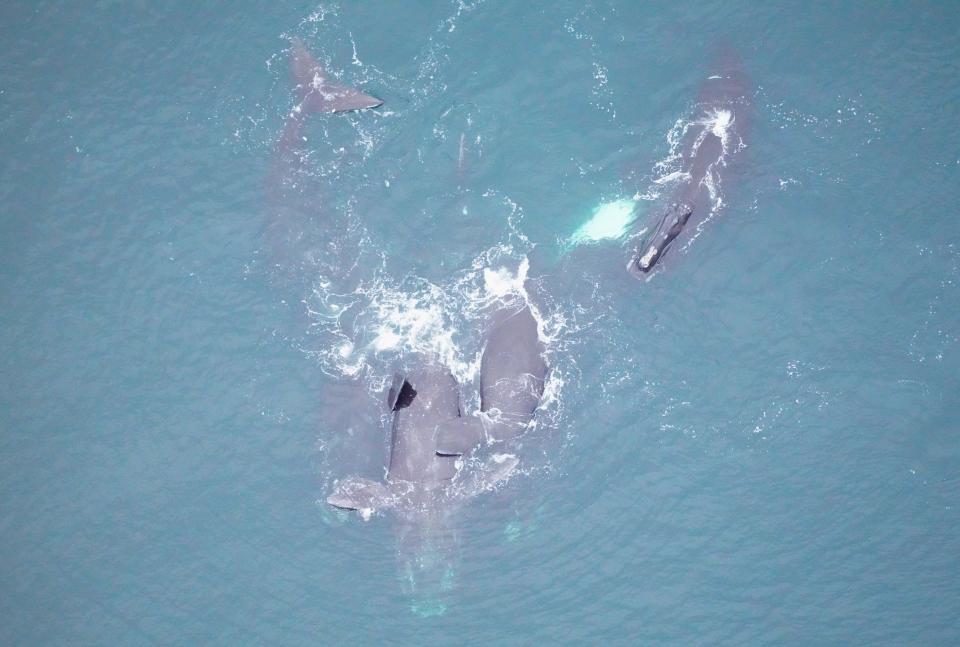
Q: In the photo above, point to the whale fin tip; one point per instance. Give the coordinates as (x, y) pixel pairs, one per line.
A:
(459, 436)
(363, 495)
(316, 92)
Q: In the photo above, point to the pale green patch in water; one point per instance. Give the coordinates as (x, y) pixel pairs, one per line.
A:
(428, 608)
(609, 220)
(521, 529)
(513, 530)
(427, 596)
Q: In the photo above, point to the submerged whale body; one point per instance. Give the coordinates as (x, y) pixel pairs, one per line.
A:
(289, 237)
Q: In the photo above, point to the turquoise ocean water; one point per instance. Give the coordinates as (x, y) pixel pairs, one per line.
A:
(757, 446)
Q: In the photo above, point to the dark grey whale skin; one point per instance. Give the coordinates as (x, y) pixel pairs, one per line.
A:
(512, 375)
(428, 430)
(426, 397)
(727, 88)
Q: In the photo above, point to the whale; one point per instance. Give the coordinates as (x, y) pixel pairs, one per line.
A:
(423, 486)
(430, 431)
(711, 141)
(315, 92)
(512, 377)
(421, 397)
(513, 373)
(294, 200)
(421, 400)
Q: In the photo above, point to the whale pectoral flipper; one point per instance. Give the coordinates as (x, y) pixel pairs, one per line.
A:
(459, 436)
(359, 494)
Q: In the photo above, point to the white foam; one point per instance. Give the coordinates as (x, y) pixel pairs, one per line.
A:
(415, 323)
(670, 177)
(720, 122)
(502, 282)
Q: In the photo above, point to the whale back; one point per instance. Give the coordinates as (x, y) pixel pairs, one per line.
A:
(512, 374)
(422, 399)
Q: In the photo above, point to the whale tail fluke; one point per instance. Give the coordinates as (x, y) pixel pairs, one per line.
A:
(318, 94)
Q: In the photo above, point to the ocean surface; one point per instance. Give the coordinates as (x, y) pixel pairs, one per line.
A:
(758, 445)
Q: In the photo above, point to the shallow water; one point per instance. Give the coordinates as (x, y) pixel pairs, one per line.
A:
(756, 446)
